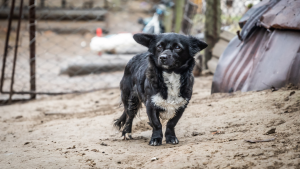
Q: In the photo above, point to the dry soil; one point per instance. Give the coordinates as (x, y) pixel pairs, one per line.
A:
(75, 131)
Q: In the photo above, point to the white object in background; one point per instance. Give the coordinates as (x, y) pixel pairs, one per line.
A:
(122, 43)
(83, 44)
(253, 2)
(153, 23)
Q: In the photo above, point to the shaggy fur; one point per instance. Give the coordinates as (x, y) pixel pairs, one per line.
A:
(162, 80)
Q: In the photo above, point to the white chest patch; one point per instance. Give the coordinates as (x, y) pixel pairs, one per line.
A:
(174, 100)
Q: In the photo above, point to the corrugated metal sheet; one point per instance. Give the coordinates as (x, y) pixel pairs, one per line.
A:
(284, 15)
(252, 10)
(252, 17)
(266, 59)
(268, 56)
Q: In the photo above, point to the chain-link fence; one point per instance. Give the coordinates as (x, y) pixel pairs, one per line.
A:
(232, 12)
(83, 45)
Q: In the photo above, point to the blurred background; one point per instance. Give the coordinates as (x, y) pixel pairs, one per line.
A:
(51, 47)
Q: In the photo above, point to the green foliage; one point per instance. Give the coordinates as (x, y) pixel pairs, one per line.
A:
(249, 6)
(227, 19)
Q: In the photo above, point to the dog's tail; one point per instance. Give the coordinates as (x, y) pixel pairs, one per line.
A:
(119, 123)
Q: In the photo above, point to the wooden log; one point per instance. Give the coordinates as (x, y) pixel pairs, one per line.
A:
(219, 48)
(212, 64)
(54, 14)
(227, 36)
(95, 65)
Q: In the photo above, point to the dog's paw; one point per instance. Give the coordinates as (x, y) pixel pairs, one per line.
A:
(172, 140)
(126, 136)
(155, 142)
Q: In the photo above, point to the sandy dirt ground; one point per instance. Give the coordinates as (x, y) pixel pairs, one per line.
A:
(75, 131)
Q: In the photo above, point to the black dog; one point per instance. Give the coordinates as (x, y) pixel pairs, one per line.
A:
(161, 79)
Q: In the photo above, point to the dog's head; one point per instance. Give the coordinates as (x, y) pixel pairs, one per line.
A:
(170, 50)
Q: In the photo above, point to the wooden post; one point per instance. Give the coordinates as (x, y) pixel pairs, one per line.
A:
(4, 3)
(168, 16)
(106, 4)
(189, 13)
(116, 5)
(212, 27)
(63, 3)
(179, 6)
(42, 4)
(32, 39)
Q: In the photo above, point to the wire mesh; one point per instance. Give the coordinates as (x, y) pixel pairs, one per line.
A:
(232, 12)
(67, 61)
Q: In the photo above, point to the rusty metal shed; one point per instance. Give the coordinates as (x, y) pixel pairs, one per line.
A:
(267, 52)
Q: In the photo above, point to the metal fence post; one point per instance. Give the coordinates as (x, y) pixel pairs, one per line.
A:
(16, 52)
(32, 39)
(6, 44)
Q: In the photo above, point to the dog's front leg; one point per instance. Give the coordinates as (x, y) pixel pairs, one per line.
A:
(170, 128)
(157, 134)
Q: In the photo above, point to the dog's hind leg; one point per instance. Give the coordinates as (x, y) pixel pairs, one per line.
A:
(133, 106)
(119, 123)
(126, 87)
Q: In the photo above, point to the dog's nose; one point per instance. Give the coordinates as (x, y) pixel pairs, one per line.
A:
(163, 58)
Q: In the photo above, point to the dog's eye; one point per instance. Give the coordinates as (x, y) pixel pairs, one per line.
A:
(177, 48)
(159, 47)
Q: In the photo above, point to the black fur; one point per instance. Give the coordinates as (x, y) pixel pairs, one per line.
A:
(143, 78)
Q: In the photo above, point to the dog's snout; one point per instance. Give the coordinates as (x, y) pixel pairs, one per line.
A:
(163, 57)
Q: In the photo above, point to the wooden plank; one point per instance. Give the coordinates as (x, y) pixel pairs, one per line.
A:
(64, 14)
(95, 64)
(212, 64)
(219, 48)
(227, 36)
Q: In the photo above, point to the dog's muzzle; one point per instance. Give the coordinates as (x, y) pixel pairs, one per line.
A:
(163, 58)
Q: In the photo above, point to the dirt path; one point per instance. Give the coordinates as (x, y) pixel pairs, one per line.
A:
(75, 131)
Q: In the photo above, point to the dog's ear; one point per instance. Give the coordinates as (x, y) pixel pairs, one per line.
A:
(143, 38)
(196, 45)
